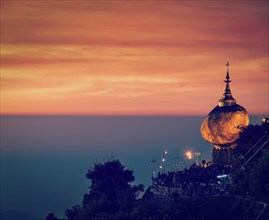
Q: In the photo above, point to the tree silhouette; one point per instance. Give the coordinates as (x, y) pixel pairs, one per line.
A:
(51, 216)
(111, 193)
(249, 136)
(253, 179)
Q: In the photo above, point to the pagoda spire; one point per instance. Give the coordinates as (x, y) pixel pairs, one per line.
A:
(227, 99)
(227, 79)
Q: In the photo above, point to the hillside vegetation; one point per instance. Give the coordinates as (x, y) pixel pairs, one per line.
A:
(112, 194)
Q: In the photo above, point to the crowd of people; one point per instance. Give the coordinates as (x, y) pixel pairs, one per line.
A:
(202, 179)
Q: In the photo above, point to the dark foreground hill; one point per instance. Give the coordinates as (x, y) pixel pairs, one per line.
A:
(210, 207)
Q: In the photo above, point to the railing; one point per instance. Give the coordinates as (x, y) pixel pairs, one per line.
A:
(165, 190)
(262, 210)
(196, 191)
(250, 151)
(256, 152)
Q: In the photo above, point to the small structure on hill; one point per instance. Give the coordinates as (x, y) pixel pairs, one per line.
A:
(223, 125)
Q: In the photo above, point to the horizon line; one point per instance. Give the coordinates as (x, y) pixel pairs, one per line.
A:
(115, 114)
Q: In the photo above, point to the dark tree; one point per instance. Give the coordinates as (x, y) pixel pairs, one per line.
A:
(246, 139)
(259, 178)
(74, 212)
(253, 180)
(250, 136)
(111, 194)
(51, 216)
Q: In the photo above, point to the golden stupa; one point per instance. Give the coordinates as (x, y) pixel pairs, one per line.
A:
(223, 125)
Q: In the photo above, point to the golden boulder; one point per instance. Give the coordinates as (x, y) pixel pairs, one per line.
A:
(223, 125)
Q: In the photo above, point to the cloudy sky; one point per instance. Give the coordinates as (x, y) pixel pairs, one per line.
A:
(135, 57)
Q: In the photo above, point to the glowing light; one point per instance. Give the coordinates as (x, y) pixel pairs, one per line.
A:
(265, 120)
(163, 160)
(189, 155)
(222, 176)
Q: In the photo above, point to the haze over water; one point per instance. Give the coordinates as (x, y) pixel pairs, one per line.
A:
(44, 159)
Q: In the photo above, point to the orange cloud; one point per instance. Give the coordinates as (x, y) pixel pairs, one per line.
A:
(163, 57)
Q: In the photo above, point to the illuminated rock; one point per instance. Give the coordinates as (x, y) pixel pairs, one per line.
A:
(223, 125)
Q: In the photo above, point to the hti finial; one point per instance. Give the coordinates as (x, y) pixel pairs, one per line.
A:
(227, 64)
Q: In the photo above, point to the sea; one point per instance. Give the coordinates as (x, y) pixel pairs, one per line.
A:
(44, 159)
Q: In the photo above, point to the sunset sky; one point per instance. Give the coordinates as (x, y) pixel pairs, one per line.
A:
(135, 57)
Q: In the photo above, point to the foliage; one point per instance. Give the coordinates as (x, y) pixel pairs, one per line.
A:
(111, 195)
(252, 180)
(259, 178)
(176, 207)
(51, 216)
(249, 136)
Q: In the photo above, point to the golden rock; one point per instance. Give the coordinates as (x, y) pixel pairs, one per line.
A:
(223, 125)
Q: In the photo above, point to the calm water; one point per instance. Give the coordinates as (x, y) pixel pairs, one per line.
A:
(44, 159)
